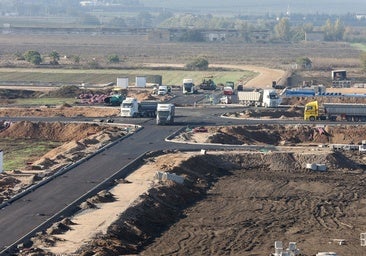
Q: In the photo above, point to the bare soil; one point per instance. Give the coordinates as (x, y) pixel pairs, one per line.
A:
(232, 202)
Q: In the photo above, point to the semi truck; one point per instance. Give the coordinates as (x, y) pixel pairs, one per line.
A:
(165, 113)
(131, 107)
(189, 86)
(264, 98)
(351, 112)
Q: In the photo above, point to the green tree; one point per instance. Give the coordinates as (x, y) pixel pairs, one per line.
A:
(198, 64)
(283, 29)
(113, 58)
(33, 57)
(55, 57)
(333, 32)
(304, 62)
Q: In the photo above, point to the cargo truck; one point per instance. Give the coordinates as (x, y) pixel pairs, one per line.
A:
(165, 114)
(265, 98)
(131, 107)
(351, 112)
(189, 86)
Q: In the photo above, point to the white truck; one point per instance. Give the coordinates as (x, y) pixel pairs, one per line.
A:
(165, 113)
(188, 86)
(268, 98)
(162, 90)
(131, 107)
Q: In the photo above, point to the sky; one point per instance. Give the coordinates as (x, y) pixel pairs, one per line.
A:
(262, 6)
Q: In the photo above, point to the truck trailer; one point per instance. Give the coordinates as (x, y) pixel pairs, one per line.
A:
(351, 112)
(165, 114)
(131, 107)
(264, 98)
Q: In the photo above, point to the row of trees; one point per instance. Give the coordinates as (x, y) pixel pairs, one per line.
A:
(36, 58)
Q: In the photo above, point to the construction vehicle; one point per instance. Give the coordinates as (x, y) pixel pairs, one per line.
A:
(165, 114)
(162, 90)
(131, 107)
(188, 86)
(351, 112)
(208, 84)
(228, 90)
(116, 97)
(264, 98)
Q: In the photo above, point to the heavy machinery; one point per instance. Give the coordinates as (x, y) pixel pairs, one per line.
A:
(131, 107)
(263, 98)
(351, 112)
(116, 97)
(165, 114)
(189, 86)
(208, 84)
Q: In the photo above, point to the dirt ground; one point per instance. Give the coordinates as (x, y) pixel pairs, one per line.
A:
(231, 202)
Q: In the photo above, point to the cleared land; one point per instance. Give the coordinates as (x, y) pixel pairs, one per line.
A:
(232, 203)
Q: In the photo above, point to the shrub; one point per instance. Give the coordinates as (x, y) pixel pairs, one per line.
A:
(33, 57)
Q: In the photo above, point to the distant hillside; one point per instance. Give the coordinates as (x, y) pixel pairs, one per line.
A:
(260, 7)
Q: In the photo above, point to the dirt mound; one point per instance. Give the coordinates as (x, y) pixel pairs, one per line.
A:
(50, 131)
(241, 202)
(293, 112)
(277, 135)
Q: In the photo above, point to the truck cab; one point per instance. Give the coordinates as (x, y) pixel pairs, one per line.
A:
(165, 114)
(129, 107)
(188, 86)
(271, 99)
(162, 90)
(311, 111)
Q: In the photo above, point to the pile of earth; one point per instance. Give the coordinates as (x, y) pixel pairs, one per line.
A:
(64, 110)
(293, 112)
(77, 141)
(264, 134)
(239, 203)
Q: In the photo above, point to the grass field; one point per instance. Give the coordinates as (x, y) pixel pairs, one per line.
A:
(17, 152)
(105, 76)
(359, 46)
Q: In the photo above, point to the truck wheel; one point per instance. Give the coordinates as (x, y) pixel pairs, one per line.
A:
(312, 118)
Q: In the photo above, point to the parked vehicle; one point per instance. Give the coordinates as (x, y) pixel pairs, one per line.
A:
(351, 112)
(264, 98)
(131, 107)
(165, 114)
(189, 86)
(208, 84)
(114, 100)
(162, 90)
(228, 90)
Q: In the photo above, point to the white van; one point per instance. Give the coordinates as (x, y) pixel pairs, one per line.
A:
(163, 89)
